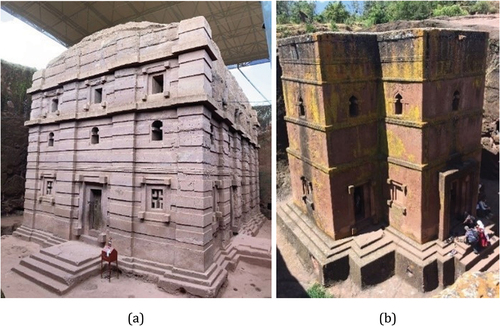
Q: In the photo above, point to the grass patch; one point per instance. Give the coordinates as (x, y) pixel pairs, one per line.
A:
(318, 291)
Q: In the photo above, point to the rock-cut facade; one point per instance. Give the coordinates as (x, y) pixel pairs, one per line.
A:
(140, 134)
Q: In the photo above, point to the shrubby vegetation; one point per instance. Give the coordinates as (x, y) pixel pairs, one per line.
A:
(376, 12)
(318, 291)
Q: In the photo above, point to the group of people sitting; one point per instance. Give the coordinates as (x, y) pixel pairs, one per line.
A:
(475, 234)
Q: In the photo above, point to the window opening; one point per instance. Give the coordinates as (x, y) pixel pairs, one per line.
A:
(295, 51)
(55, 105)
(98, 95)
(353, 107)
(398, 105)
(302, 109)
(95, 136)
(456, 101)
(307, 191)
(212, 134)
(156, 131)
(48, 191)
(51, 139)
(157, 198)
(157, 84)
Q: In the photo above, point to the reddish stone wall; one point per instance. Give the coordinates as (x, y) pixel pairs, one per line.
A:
(418, 98)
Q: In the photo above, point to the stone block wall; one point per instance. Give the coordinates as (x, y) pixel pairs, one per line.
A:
(375, 121)
(141, 134)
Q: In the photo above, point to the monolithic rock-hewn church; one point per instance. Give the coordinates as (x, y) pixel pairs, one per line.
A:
(383, 127)
(140, 134)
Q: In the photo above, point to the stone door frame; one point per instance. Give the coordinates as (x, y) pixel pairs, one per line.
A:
(456, 177)
(87, 184)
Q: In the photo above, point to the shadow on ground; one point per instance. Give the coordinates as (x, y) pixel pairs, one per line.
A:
(287, 286)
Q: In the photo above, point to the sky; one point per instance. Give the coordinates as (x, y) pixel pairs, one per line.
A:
(24, 45)
(320, 5)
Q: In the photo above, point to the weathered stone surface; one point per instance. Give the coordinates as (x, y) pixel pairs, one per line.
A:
(131, 141)
(364, 115)
(473, 285)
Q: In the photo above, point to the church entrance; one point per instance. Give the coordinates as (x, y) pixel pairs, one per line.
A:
(94, 213)
(458, 194)
(95, 209)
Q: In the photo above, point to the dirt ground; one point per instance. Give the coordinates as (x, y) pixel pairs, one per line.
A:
(247, 281)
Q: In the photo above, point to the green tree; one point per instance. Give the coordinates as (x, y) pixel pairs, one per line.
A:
(450, 11)
(336, 12)
(484, 7)
(410, 10)
(302, 11)
(375, 12)
(283, 12)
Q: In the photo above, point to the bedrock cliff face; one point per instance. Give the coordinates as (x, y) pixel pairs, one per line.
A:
(16, 79)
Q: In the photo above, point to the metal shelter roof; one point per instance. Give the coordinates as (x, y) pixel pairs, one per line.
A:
(237, 26)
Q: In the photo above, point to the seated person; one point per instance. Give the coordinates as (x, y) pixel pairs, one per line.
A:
(483, 209)
(484, 239)
(470, 220)
(472, 238)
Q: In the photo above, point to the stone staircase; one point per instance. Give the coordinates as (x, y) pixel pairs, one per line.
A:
(61, 267)
(252, 226)
(44, 239)
(94, 238)
(379, 253)
(487, 259)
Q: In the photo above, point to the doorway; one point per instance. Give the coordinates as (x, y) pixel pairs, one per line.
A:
(359, 203)
(95, 210)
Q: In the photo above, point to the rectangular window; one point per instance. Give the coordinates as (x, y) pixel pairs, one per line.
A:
(55, 105)
(157, 84)
(98, 95)
(157, 198)
(48, 190)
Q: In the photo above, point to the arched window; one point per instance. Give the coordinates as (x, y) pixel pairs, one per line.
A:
(156, 130)
(51, 139)
(353, 107)
(302, 109)
(398, 105)
(94, 138)
(456, 101)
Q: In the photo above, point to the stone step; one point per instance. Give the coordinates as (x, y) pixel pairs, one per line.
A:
(61, 264)
(90, 240)
(299, 222)
(136, 265)
(42, 280)
(411, 249)
(209, 288)
(329, 242)
(304, 238)
(374, 246)
(471, 259)
(23, 233)
(56, 273)
(252, 226)
(54, 241)
(73, 252)
(486, 262)
(142, 274)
